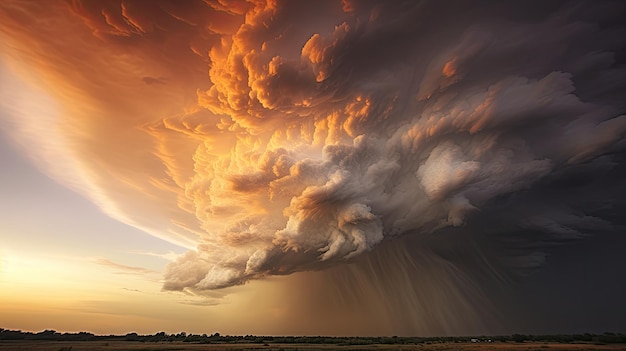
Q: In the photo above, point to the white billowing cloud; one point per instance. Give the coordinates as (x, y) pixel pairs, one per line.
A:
(323, 130)
(373, 134)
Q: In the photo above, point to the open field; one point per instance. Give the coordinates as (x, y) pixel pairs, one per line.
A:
(182, 346)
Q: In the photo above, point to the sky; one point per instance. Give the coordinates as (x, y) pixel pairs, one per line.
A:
(354, 167)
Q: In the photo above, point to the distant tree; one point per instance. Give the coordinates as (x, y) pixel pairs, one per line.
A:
(519, 337)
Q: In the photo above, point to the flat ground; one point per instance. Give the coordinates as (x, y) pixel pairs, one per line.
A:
(181, 346)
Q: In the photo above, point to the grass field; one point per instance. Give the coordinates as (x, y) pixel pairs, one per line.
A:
(181, 346)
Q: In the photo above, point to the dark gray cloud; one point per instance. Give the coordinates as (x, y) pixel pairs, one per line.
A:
(482, 135)
(437, 112)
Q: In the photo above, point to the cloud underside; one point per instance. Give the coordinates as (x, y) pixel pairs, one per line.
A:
(325, 129)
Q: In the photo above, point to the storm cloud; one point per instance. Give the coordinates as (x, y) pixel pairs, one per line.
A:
(401, 118)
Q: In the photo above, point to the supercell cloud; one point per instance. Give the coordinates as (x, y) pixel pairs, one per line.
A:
(398, 118)
(287, 136)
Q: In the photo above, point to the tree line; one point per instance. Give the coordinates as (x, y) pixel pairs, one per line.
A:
(6, 334)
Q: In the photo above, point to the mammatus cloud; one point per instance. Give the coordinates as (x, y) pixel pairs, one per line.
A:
(294, 136)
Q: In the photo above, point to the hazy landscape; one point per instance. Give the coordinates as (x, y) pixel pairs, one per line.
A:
(181, 346)
(50, 340)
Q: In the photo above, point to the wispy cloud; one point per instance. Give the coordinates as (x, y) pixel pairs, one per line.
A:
(202, 302)
(169, 256)
(123, 269)
(133, 290)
